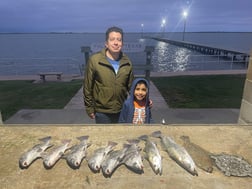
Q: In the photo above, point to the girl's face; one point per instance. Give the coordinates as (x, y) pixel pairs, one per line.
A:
(140, 91)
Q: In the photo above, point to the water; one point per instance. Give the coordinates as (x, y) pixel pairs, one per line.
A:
(28, 54)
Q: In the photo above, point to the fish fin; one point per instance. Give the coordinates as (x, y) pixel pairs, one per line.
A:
(111, 143)
(64, 156)
(45, 139)
(186, 139)
(39, 150)
(143, 137)
(133, 141)
(61, 154)
(81, 138)
(89, 144)
(126, 145)
(156, 134)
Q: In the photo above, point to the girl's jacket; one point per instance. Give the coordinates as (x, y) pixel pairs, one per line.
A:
(127, 112)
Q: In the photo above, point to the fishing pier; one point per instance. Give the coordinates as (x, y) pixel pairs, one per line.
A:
(204, 49)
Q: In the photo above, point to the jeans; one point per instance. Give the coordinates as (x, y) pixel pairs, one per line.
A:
(106, 118)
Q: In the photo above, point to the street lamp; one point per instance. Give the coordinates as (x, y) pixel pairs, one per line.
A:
(184, 16)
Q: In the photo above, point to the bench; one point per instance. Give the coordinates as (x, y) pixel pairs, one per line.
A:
(44, 74)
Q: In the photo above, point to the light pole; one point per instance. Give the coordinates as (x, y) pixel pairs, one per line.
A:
(184, 16)
(163, 25)
(142, 27)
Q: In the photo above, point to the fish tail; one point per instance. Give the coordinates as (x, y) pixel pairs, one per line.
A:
(66, 141)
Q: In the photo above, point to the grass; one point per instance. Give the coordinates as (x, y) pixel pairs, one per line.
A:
(16, 95)
(218, 91)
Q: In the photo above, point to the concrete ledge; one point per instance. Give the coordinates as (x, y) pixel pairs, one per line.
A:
(171, 116)
(17, 139)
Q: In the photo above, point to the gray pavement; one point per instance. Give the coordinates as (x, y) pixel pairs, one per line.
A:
(74, 112)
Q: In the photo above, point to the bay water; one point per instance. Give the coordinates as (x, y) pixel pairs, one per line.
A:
(30, 53)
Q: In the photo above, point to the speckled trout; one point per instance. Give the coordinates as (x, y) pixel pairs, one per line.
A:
(99, 155)
(55, 154)
(34, 153)
(177, 153)
(152, 154)
(77, 152)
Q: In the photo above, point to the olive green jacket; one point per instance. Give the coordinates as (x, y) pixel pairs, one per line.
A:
(104, 90)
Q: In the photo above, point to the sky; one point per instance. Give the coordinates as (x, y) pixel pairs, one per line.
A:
(130, 15)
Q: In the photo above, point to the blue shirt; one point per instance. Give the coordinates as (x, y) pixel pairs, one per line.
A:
(115, 64)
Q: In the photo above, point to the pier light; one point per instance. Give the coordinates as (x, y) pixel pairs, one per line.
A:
(185, 14)
(142, 29)
(163, 24)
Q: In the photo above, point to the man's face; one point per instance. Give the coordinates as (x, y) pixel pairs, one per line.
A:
(114, 42)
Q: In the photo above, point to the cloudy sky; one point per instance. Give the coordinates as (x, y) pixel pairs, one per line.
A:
(97, 15)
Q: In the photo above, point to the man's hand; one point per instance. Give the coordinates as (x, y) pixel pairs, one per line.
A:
(92, 115)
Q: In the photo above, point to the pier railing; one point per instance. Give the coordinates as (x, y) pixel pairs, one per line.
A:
(208, 50)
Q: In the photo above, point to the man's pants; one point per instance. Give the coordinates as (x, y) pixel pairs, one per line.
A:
(106, 118)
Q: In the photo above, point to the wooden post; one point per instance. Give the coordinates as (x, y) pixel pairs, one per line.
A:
(148, 50)
(86, 51)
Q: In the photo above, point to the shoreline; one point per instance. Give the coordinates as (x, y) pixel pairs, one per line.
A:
(69, 77)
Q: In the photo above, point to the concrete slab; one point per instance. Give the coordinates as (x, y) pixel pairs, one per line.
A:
(50, 116)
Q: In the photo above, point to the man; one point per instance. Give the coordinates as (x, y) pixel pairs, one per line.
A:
(107, 79)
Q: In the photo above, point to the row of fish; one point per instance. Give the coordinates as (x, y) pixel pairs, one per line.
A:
(74, 158)
(107, 159)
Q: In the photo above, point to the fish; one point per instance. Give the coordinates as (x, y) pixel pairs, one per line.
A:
(113, 161)
(200, 156)
(99, 155)
(50, 159)
(133, 159)
(177, 153)
(78, 152)
(152, 154)
(35, 152)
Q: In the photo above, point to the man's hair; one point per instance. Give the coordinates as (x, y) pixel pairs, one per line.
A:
(113, 29)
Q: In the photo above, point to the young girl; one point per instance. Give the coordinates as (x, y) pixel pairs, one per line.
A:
(136, 109)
